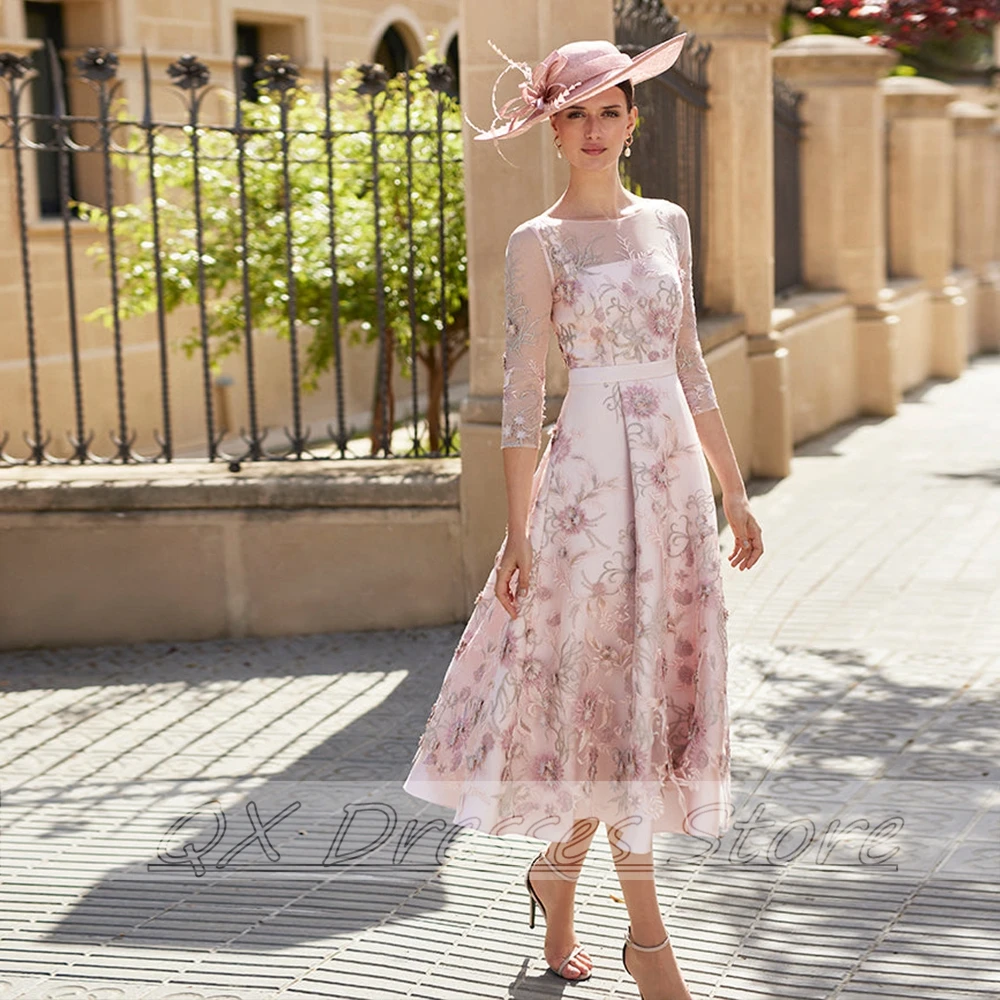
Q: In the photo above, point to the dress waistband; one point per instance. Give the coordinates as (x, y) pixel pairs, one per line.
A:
(621, 373)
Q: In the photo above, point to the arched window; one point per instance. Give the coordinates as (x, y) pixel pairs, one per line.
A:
(393, 52)
(46, 21)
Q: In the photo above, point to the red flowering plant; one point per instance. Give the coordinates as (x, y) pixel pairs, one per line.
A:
(901, 23)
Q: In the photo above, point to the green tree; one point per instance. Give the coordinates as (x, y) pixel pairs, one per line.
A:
(284, 146)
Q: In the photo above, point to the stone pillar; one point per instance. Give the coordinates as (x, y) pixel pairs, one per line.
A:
(498, 198)
(843, 193)
(922, 208)
(977, 209)
(739, 223)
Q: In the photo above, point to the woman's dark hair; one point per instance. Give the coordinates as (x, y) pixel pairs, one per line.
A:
(629, 91)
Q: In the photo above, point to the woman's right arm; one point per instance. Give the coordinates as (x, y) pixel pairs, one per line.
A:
(528, 306)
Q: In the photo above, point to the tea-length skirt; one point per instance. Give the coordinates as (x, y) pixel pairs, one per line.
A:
(606, 696)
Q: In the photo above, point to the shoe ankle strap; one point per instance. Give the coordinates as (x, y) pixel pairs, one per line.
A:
(644, 947)
(562, 875)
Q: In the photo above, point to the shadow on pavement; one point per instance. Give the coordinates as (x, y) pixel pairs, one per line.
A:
(830, 738)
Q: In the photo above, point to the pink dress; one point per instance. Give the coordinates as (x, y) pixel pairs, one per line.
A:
(606, 696)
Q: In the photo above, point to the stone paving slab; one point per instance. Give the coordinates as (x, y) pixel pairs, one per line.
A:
(864, 685)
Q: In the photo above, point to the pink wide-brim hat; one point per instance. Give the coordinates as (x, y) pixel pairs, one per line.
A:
(573, 72)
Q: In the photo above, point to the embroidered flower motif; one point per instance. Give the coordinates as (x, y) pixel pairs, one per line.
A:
(571, 519)
(659, 321)
(586, 711)
(475, 760)
(640, 399)
(532, 670)
(662, 475)
(567, 290)
(547, 767)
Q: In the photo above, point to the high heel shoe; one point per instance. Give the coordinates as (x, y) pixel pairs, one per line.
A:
(629, 940)
(535, 901)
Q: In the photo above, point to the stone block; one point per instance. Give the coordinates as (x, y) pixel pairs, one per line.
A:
(772, 424)
(951, 323)
(877, 347)
(822, 370)
(110, 577)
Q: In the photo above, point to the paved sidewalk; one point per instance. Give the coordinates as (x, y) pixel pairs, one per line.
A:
(864, 860)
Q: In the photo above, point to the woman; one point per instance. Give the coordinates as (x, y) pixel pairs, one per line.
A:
(590, 682)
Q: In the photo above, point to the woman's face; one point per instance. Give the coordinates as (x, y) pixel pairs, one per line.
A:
(591, 134)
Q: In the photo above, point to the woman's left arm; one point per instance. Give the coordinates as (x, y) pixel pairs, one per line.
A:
(748, 545)
(700, 394)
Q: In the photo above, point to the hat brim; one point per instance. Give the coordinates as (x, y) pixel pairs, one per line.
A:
(647, 64)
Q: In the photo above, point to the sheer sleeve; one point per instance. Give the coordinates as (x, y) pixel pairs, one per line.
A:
(528, 304)
(691, 368)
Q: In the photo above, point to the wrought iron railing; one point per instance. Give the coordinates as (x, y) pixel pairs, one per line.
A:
(787, 188)
(357, 226)
(667, 158)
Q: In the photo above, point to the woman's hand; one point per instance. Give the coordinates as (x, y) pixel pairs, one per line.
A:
(516, 556)
(748, 545)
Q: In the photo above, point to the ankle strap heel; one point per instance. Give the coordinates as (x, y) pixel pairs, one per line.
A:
(562, 875)
(534, 901)
(631, 942)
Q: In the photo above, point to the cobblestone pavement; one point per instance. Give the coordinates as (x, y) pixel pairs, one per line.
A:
(864, 860)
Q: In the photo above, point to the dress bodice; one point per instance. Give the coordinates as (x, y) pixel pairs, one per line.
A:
(616, 291)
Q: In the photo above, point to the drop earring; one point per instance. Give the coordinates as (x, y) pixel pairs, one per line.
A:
(628, 145)
(555, 142)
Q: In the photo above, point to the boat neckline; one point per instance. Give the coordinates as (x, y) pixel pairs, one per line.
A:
(633, 210)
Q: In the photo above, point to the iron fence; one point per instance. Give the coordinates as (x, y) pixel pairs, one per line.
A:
(787, 188)
(282, 221)
(667, 158)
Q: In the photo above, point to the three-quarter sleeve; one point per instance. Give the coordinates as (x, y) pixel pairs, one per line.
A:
(691, 368)
(528, 304)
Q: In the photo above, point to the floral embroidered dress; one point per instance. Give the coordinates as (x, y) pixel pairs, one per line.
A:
(606, 696)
